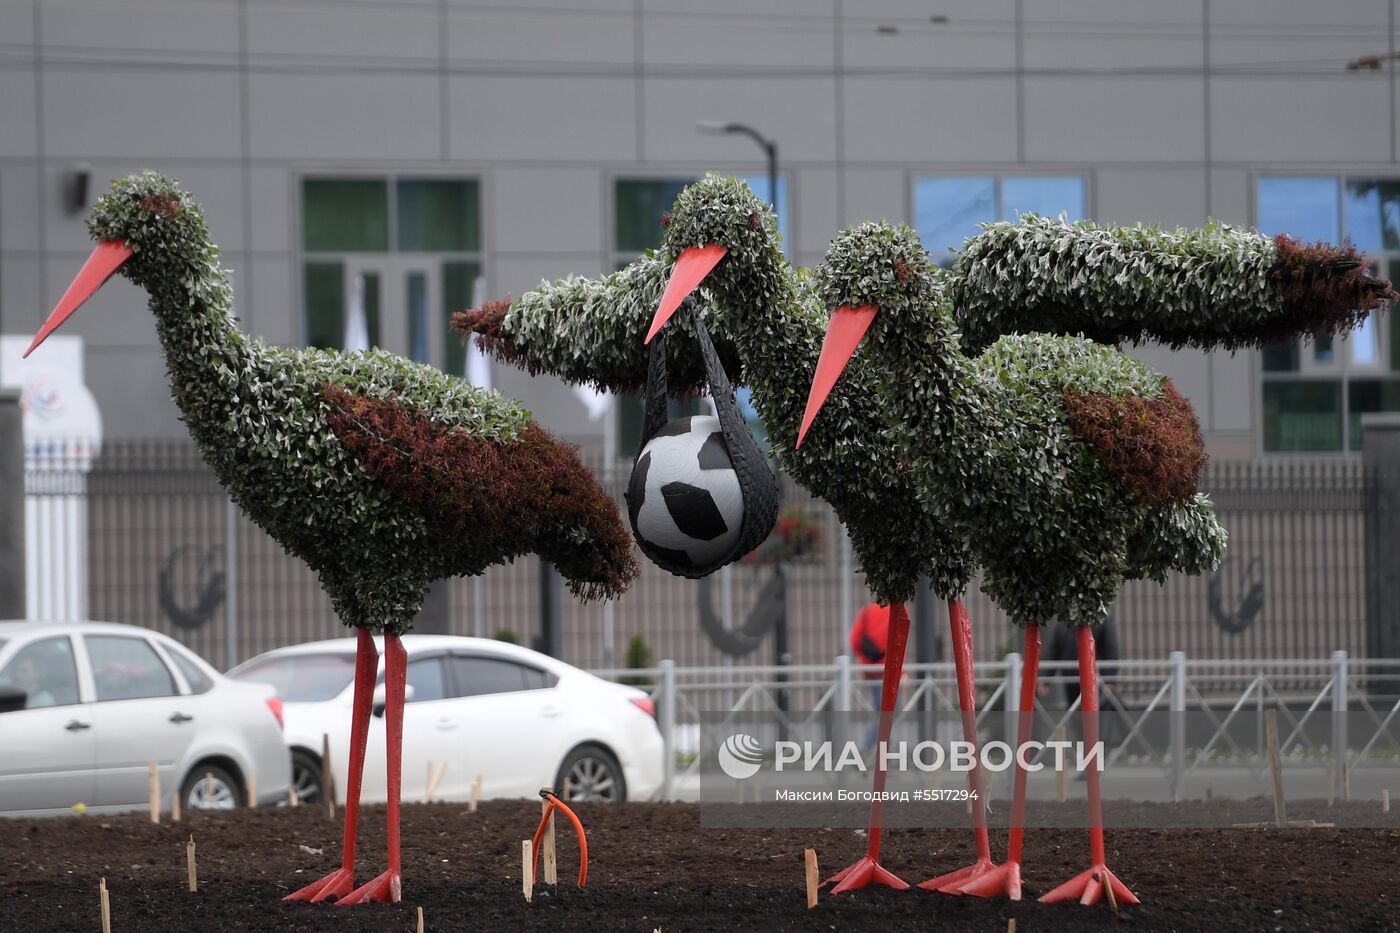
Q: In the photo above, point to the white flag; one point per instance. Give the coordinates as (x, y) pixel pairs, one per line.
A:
(356, 322)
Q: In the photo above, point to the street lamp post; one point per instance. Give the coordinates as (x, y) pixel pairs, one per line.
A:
(781, 656)
(770, 150)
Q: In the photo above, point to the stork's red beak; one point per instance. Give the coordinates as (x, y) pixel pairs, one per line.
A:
(843, 335)
(105, 260)
(689, 270)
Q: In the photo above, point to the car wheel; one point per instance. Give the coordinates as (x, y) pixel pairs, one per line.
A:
(209, 787)
(590, 773)
(306, 777)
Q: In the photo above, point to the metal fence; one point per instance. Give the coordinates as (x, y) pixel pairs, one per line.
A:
(165, 549)
(1337, 711)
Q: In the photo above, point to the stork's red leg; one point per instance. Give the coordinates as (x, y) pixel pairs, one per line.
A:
(1087, 887)
(1006, 878)
(952, 882)
(339, 882)
(868, 869)
(389, 885)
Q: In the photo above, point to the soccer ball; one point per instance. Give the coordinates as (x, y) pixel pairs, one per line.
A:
(684, 498)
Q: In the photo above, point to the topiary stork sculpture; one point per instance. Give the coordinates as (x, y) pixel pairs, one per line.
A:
(381, 474)
(1073, 467)
(767, 315)
(1217, 287)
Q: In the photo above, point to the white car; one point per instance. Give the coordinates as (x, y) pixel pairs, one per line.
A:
(519, 719)
(85, 706)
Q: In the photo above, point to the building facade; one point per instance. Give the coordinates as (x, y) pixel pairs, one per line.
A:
(370, 166)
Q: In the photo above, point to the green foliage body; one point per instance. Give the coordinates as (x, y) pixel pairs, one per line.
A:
(259, 417)
(989, 441)
(766, 315)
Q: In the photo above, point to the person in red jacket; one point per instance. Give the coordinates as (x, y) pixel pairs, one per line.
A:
(869, 637)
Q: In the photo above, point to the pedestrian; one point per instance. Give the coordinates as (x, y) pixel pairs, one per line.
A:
(869, 638)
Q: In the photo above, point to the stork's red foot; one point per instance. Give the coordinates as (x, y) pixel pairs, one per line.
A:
(864, 872)
(387, 888)
(1088, 888)
(337, 884)
(1003, 879)
(953, 882)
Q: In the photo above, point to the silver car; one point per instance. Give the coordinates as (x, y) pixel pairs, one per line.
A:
(85, 706)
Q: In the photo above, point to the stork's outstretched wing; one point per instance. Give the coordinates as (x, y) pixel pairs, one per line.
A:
(1213, 287)
(589, 331)
(489, 501)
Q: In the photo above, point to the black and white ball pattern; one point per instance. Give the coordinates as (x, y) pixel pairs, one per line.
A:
(684, 497)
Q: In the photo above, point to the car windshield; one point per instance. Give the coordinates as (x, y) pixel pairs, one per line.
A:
(302, 678)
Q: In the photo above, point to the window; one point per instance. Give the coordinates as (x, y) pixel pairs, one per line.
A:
(194, 674)
(45, 672)
(1316, 390)
(386, 261)
(127, 668)
(479, 676)
(302, 678)
(638, 204)
(345, 216)
(950, 208)
(425, 676)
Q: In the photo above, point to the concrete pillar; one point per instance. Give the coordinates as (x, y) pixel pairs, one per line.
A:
(435, 618)
(551, 640)
(1380, 453)
(928, 649)
(11, 506)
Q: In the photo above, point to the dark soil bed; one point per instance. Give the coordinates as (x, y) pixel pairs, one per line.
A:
(654, 866)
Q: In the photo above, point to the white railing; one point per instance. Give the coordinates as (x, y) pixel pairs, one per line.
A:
(1337, 711)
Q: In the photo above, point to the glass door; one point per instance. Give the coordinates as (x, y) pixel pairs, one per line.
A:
(396, 304)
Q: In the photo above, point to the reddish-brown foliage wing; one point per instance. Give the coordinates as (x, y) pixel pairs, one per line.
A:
(489, 501)
(1152, 447)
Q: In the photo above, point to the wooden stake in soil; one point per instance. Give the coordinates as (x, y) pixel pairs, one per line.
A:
(547, 851)
(175, 806)
(1385, 801)
(420, 920)
(292, 799)
(327, 780)
(809, 859)
(252, 791)
(1108, 890)
(189, 865)
(105, 905)
(154, 778)
(476, 794)
(1061, 779)
(1331, 783)
(1275, 767)
(527, 870)
(435, 776)
(208, 789)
